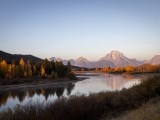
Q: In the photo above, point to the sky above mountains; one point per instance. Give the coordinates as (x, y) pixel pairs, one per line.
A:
(73, 28)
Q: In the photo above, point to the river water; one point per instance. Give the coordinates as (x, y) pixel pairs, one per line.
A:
(93, 84)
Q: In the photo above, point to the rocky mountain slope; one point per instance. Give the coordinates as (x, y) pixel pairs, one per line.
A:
(113, 59)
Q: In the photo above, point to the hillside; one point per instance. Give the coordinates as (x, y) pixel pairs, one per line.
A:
(9, 57)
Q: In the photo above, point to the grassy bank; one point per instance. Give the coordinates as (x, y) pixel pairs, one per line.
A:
(148, 111)
(95, 106)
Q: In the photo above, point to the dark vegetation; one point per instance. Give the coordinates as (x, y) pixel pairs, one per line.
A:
(95, 106)
(76, 68)
(9, 57)
(24, 71)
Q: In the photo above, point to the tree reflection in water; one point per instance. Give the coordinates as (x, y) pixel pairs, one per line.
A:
(22, 94)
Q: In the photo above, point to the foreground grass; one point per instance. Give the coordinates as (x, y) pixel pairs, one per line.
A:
(148, 111)
(106, 105)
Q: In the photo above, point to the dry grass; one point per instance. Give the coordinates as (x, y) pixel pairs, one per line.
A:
(148, 111)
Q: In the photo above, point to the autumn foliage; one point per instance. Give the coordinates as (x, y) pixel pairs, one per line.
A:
(146, 68)
(28, 69)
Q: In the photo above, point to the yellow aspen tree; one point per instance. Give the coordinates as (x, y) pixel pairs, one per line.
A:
(10, 68)
(4, 66)
(21, 68)
(129, 68)
(21, 62)
(42, 71)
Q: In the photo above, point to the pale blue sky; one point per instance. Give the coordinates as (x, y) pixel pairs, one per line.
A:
(74, 28)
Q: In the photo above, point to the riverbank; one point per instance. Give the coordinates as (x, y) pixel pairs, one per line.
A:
(39, 84)
(90, 73)
(17, 81)
(106, 105)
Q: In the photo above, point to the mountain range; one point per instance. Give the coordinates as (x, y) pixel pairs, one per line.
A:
(113, 59)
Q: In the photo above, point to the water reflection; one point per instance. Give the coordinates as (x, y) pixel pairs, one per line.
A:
(104, 82)
(23, 96)
(94, 84)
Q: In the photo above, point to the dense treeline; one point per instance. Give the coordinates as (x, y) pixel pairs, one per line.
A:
(40, 69)
(146, 68)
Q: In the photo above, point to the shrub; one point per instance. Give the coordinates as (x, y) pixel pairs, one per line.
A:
(71, 75)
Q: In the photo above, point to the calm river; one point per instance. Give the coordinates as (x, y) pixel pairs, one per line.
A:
(93, 84)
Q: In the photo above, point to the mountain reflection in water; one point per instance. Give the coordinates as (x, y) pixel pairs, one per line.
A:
(104, 82)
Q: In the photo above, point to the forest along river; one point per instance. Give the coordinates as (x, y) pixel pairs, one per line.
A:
(93, 84)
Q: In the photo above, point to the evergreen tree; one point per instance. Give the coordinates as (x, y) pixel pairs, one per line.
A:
(30, 72)
(20, 72)
(47, 66)
(53, 66)
(34, 70)
(9, 70)
(2, 74)
(69, 67)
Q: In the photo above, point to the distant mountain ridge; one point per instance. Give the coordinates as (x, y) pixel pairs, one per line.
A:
(9, 57)
(113, 59)
(155, 60)
(118, 59)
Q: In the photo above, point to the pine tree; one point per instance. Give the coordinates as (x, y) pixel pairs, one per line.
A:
(30, 72)
(69, 67)
(34, 70)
